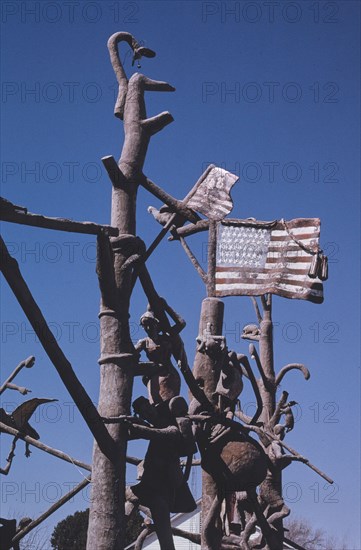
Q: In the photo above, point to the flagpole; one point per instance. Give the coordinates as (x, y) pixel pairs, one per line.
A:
(212, 255)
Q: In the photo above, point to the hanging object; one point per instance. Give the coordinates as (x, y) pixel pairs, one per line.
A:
(314, 267)
(324, 268)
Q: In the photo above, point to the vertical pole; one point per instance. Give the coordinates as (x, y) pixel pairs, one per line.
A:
(268, 389)
(107, 521)
(207, 370)
(106, 529)
(212, 252)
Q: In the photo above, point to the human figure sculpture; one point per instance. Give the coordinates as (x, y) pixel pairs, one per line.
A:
(160, 376)
(242, 511)
(230, 383)
(233, 459)
(163, 487)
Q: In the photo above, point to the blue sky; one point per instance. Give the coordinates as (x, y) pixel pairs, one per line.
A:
(269, 91)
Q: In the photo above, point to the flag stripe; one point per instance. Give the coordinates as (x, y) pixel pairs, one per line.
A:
(253, 272)
(301, 222)
(247, 283)
(301, 237)
(281, 266)
(269, 275)
(283, 258)
(204, 206)
(286, 286)
(316, 298)
(200, 201)
(288, 253)
(283, 247)
(296, 232)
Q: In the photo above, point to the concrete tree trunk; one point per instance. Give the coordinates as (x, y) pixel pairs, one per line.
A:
(207, 371)
(115, 269)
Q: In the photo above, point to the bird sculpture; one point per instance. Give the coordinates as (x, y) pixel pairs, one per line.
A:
(162, 215)
(19, 418)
